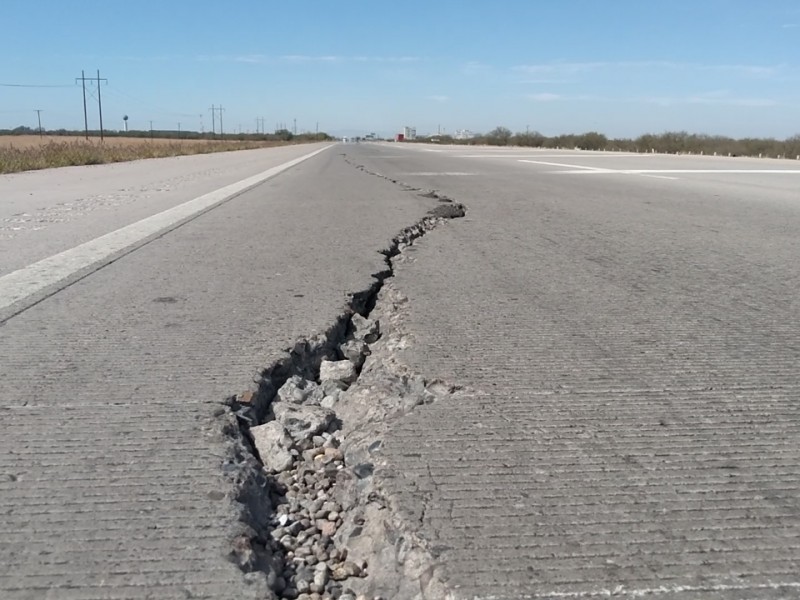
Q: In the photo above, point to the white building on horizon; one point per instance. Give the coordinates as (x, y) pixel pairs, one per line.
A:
(409, 133)
(463, 134)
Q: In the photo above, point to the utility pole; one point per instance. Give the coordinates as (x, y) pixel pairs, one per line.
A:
(317, 127)
(294, 128)
(85, 115)
(151, 130)
(83, 79)
(221, 131)
(100, 104)
(179, 130)
(213, 120)
(39, 116)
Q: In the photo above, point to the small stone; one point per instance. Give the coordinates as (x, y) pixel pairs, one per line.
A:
(331, 454)
(340, 370)
(248, 397)
(288, 542)
(345, 570)
(327, 528)
(321, 575)
(329, 401)
(312, 453)
(273, 444)
(333, 516)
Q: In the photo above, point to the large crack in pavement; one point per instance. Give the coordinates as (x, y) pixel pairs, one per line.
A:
(305, 451)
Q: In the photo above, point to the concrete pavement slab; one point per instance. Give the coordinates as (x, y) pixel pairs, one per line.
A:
(628, 352)
(117, 479)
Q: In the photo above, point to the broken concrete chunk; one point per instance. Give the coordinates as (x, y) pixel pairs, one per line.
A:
(366, 330)
(355, 351)
(302, 422)
(340, 370)
(297, 390)
(330, 401)
(273, 444)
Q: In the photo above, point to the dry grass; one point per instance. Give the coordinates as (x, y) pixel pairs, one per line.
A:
(30, 152)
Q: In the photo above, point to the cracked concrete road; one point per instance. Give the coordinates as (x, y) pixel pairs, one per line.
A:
(625, 327)
(631, 342)
(111, 480)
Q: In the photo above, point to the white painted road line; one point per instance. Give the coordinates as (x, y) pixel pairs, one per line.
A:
(29, 281)
(680, 171)
(554, 164)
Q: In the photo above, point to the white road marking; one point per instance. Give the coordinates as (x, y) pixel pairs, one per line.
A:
(561, 155)
(28, 281)
(445, 173)
(554, 164)
(658, 176)
(623, 591)
(689, 171)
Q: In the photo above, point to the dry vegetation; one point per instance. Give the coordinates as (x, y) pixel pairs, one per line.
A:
(30, 152)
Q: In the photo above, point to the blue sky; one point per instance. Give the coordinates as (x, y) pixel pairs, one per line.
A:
(621, 67)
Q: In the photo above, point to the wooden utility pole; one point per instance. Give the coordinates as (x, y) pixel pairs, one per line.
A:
(39, 116)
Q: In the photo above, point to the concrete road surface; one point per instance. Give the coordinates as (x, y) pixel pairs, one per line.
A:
(628, 326)
(111, 459)
(623, 329)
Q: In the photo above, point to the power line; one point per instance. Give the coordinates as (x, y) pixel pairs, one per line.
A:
(32, 85)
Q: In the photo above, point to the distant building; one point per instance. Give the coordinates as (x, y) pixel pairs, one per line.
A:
(463, 134)
(410, 133)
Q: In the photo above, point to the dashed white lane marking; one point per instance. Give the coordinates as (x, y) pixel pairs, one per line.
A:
(29, 281)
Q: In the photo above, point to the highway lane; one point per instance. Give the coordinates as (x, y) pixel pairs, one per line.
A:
(630, 343)
(46, 212)
(115, 477)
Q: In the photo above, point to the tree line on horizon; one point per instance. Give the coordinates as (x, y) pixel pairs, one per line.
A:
(670, 142)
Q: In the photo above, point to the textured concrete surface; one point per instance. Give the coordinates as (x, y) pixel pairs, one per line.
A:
(111, 479)
(52, 210)
(631, 344)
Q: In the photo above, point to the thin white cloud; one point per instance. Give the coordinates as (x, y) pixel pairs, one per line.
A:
(790, 25)
(712, 98)
(342, 59)
(573, 68)
(308, 58)
(545, 97)
(251, 58)
(438, 98)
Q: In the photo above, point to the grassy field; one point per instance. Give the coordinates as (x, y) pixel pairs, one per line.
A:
(30, 152)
